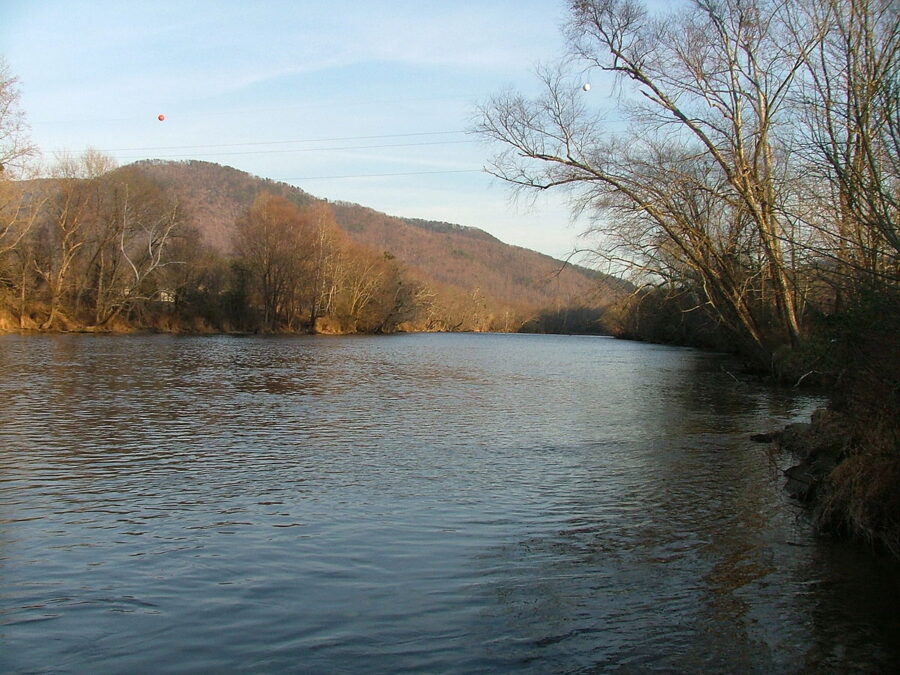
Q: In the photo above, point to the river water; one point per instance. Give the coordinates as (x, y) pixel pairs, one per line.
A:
(424, 503)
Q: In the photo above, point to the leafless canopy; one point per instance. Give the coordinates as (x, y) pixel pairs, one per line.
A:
(753, 141)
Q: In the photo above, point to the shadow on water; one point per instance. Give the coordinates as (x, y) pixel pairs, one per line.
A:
(680, 552)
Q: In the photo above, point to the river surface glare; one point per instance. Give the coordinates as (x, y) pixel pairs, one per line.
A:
(418, 503)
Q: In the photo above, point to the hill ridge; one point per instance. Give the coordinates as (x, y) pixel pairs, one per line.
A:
(447, 257)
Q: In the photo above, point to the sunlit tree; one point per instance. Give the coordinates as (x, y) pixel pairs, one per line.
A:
(701, 190)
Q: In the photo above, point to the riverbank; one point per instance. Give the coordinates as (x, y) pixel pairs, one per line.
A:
(173, 325)
(848, 455)
(852, 491)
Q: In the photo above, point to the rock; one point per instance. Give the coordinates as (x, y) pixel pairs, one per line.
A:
(821, 416)
(796, 437)
(819, 446)
(801, 482)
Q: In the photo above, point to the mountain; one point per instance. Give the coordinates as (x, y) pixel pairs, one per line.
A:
(450, 259)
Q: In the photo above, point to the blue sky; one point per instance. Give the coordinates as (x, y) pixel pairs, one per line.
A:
(297, 91)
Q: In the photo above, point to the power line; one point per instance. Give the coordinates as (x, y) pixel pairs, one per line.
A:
(326, 149)
(379, 175)
(285, 142)
(251, 110)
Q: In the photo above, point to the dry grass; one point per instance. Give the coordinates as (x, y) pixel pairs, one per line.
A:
(863, 501)
(862, 494)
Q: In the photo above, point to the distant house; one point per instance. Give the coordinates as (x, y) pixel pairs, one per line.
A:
(165, 295)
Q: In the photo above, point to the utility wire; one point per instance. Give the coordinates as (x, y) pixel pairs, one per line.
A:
(379, 175)
(302, 140)
(251, 110)
(272, 152)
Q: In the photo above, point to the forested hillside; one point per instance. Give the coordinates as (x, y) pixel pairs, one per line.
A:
(199, 246)
(438, 254)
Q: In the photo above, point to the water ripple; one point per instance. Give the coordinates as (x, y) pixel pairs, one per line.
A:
(420, 503)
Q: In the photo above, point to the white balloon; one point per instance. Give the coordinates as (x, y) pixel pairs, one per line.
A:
(586, 86)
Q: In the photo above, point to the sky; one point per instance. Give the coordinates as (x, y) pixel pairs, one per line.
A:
(360, 101)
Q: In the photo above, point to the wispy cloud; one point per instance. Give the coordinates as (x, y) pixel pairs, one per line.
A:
(97, 73)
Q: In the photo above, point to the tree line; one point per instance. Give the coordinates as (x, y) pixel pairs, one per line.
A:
(94, 247)
(99, 248)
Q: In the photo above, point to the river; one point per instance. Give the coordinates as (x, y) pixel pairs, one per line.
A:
(415, 503)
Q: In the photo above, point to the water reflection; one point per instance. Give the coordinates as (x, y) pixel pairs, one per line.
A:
(463, 502)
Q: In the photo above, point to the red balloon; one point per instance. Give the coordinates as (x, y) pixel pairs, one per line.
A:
(161, 117)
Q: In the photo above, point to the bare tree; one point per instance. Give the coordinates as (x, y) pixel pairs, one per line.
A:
(273, 244)
(63, 233)
(324, 247)
(360, 277)
(18, 210)
(849, 121)
(693, 191)
(135, 242)
(16, 148)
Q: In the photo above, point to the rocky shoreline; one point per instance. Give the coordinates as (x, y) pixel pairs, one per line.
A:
(819, 446)
(851, 490)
